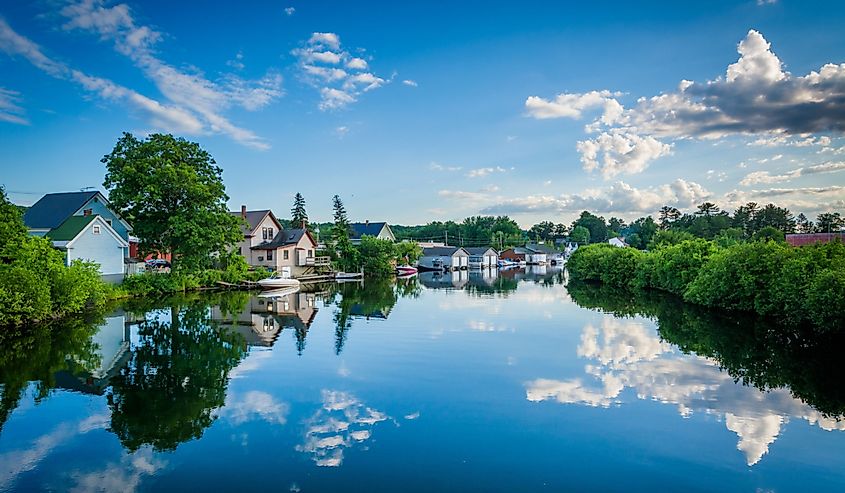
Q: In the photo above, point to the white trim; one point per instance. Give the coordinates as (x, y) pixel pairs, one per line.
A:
(98, 219)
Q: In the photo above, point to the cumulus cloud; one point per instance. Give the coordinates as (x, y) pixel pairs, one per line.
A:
(409, 82)
(765, 177)
(619, 197)
(320, 62)
(756, 96)
(10, 110)
(289, 11)
(193, 98)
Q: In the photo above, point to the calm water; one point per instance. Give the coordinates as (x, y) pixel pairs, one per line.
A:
(463, 382)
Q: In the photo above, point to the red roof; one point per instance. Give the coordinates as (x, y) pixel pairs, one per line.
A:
(797, 240)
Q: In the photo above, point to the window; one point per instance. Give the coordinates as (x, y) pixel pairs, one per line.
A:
(310, 253)
(96, 229)
(261, 259)
(269, 254)
(286, 255)
(267, 233)
(87, 212)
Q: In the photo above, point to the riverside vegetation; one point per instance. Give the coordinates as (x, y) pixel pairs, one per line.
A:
(799, 286)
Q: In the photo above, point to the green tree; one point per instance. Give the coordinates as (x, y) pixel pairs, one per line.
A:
(802, 224)
(596, 225)
(828, 222)
(12, 227)
(668, 215)
(777, 217)
(346, 253)
(641, 232)
(299, 218)
(707, 209)
(580, 235)
(745, 218)
(172, 192)
(769, 233)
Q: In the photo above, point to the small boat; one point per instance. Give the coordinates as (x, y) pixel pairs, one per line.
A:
(278, 293)
(403, 270)
(278, 282)
(348, 275)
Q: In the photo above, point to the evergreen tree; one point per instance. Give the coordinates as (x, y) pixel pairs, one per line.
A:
(668, 215)
(299, 218)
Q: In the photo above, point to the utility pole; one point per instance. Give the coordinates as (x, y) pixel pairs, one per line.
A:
(447, 237)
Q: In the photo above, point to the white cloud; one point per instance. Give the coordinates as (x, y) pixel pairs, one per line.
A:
(619, 197)
(409, 82)
(10, 110)
(620, 152)
(254, 404)
(341, 131)
(765, 177)
(319, 61)
(755, 96)
(482, 172)
(439, 167)
(289, 11)
(190, 92)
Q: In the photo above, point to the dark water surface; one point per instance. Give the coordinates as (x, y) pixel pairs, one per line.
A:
(464, 382)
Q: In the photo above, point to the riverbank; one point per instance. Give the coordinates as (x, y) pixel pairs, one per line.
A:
(798, 286)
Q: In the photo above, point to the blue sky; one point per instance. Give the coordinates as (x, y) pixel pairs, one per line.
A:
(415, 112)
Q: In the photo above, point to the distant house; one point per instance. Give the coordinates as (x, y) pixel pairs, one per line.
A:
(444, 258)
(381, 231)
(91, 238)
(85, 227)
(618, 242)
(797, 240)
(267, 245)
(524, 254)
(482, 257)
(258, 227)
(553, 255)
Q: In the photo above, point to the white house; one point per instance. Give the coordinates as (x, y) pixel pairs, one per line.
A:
(618, 242)
(381, 231)
(444, 258)
(482, 257)
(92, 239)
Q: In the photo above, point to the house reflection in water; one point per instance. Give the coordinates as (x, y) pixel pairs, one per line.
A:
(438, 280)
(483, 277)
(112, 347)
(263, 318)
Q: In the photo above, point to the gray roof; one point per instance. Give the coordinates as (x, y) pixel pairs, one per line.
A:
(369, 229)
(284, 238)
(54, 208)
(479, 250)
(253, 218)
(444, 251)
(540, 248)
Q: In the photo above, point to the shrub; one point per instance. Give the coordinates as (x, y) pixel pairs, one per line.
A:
(676, 266)
(24, 296)
(825, 301)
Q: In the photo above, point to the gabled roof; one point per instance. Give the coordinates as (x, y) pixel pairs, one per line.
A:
(478, 250)
(540, 248)
(254, 218)
(52, 209)
(446, 251)
(69, 229)
(369, 229)
(285, 237)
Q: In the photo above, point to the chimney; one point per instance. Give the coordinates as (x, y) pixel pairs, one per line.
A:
(304, 224)
(243, 211)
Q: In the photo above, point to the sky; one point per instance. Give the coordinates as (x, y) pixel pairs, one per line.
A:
(421, 111)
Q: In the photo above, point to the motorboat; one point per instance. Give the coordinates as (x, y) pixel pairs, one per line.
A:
(348, 276)
(276, 282)
(278, 293)
(404, 270)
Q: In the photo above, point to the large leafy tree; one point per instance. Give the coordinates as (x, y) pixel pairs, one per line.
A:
(171, 191)
(829, 222)
(595, 224)
(11, 224)
(299, 217)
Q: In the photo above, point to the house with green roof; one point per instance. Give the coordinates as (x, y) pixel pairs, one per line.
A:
(92, 239)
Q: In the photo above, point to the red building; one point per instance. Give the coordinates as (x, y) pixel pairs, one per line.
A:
(798, 240)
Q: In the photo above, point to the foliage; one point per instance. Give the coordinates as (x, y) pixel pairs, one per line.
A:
(595, 224)
(408, 252)
(769, 233)
(297, 213)
(378, 257)
(172, 192)
(499, 232)
(35, 283)
(799, 286)
(580, 235)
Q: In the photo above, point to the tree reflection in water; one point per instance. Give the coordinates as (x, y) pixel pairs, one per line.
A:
(754, 351)
(175, 380)
(374, 299)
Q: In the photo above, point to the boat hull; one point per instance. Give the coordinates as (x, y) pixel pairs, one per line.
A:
(275, 283)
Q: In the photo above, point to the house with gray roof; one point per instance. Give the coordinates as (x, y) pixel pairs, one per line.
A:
(266, 244)
(444, 258)
(380, 230)
(482, 257)
(84, 227)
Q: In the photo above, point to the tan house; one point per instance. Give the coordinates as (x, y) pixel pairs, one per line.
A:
(267, 245)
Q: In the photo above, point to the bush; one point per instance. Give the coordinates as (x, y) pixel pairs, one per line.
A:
(609, 264)
(24, 296)
(674, 267)
(825, 302)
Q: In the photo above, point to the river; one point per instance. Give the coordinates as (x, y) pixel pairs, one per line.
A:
(469, 381)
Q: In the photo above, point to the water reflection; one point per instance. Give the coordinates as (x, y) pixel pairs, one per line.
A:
(178, 372)
(796, 371)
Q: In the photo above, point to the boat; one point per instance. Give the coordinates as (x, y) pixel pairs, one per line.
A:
(402, 270)
(343, 276)
(275, 282)
(278, 293)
